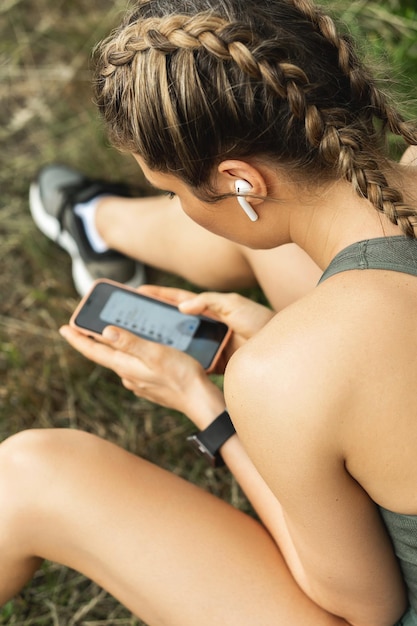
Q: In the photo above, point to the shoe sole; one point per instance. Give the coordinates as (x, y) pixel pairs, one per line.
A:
(51, 228)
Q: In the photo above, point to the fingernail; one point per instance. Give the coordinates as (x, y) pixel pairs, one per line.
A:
(110, 334)
(186, 304)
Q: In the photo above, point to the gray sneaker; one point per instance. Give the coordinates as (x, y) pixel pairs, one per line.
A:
(52, 198)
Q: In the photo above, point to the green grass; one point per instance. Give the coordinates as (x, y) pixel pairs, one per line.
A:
(47, 114)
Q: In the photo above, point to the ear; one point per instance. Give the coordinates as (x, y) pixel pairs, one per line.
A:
(230, 171)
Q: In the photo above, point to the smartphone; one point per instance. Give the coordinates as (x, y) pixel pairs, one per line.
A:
(110, 303)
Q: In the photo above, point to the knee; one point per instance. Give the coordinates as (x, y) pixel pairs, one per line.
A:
(29, 461)
(35, 457)
(24, 447)
(22, 457)
(20, 460)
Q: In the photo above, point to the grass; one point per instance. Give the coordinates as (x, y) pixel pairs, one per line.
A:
(47, 114)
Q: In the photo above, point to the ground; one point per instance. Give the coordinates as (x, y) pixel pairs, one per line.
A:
(47, 114)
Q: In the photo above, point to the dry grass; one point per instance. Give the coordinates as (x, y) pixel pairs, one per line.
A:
(47, 114)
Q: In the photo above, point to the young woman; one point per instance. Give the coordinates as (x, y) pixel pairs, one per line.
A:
(267, 127)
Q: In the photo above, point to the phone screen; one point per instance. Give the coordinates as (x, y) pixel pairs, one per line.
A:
(157, 323)
(199, 336)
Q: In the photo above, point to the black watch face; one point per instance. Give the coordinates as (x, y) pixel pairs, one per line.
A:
(202, 450)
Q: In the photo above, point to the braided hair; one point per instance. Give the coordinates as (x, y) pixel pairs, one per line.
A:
(188, 83)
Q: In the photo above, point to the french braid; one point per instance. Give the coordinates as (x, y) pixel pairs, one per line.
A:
(364, 174)
(187, 85)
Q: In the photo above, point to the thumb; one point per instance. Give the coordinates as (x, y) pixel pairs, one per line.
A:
(124, 340)
(209, 303)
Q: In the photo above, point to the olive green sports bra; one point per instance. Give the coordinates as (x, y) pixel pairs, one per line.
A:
(398, 254)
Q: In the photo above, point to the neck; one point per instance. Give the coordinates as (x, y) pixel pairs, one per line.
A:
(336, 216)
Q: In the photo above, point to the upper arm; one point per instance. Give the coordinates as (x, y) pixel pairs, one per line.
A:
(290, 410)
(345, 558)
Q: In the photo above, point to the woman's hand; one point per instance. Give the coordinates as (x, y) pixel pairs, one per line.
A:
(153, 371)
(163, 374)
(242, 315)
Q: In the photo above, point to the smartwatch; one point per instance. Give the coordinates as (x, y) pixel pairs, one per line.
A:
(209, 441)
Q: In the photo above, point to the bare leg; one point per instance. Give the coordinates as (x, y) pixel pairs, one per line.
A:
(156, 231)
(285, 274)
(172, 553)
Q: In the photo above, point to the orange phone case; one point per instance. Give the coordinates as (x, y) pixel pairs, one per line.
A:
(97, 336)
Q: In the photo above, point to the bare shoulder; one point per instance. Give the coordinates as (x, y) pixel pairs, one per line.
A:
(410, 156)
(326, 374)
(299, 360)
(312, 352)
(284, 390)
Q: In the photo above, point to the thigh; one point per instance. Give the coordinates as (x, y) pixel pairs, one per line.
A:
(169, 551)
(156, 231)
(285, 274)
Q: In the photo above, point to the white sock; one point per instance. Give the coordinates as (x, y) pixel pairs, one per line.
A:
(87, 212)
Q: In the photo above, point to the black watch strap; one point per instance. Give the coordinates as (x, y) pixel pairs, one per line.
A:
(209, 441)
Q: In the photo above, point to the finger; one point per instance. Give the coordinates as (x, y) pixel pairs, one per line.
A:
(129, 384)
(220, 305)
(96, 351)
(128, 343)
(107, 354)
(107, 350)
(167, 294)
(242, 315)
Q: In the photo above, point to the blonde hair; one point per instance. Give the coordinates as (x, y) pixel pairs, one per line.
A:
(189, 83)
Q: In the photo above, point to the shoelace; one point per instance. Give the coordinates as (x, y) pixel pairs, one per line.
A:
(86, 189)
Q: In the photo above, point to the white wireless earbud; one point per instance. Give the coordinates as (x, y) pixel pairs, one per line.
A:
(243, 187)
